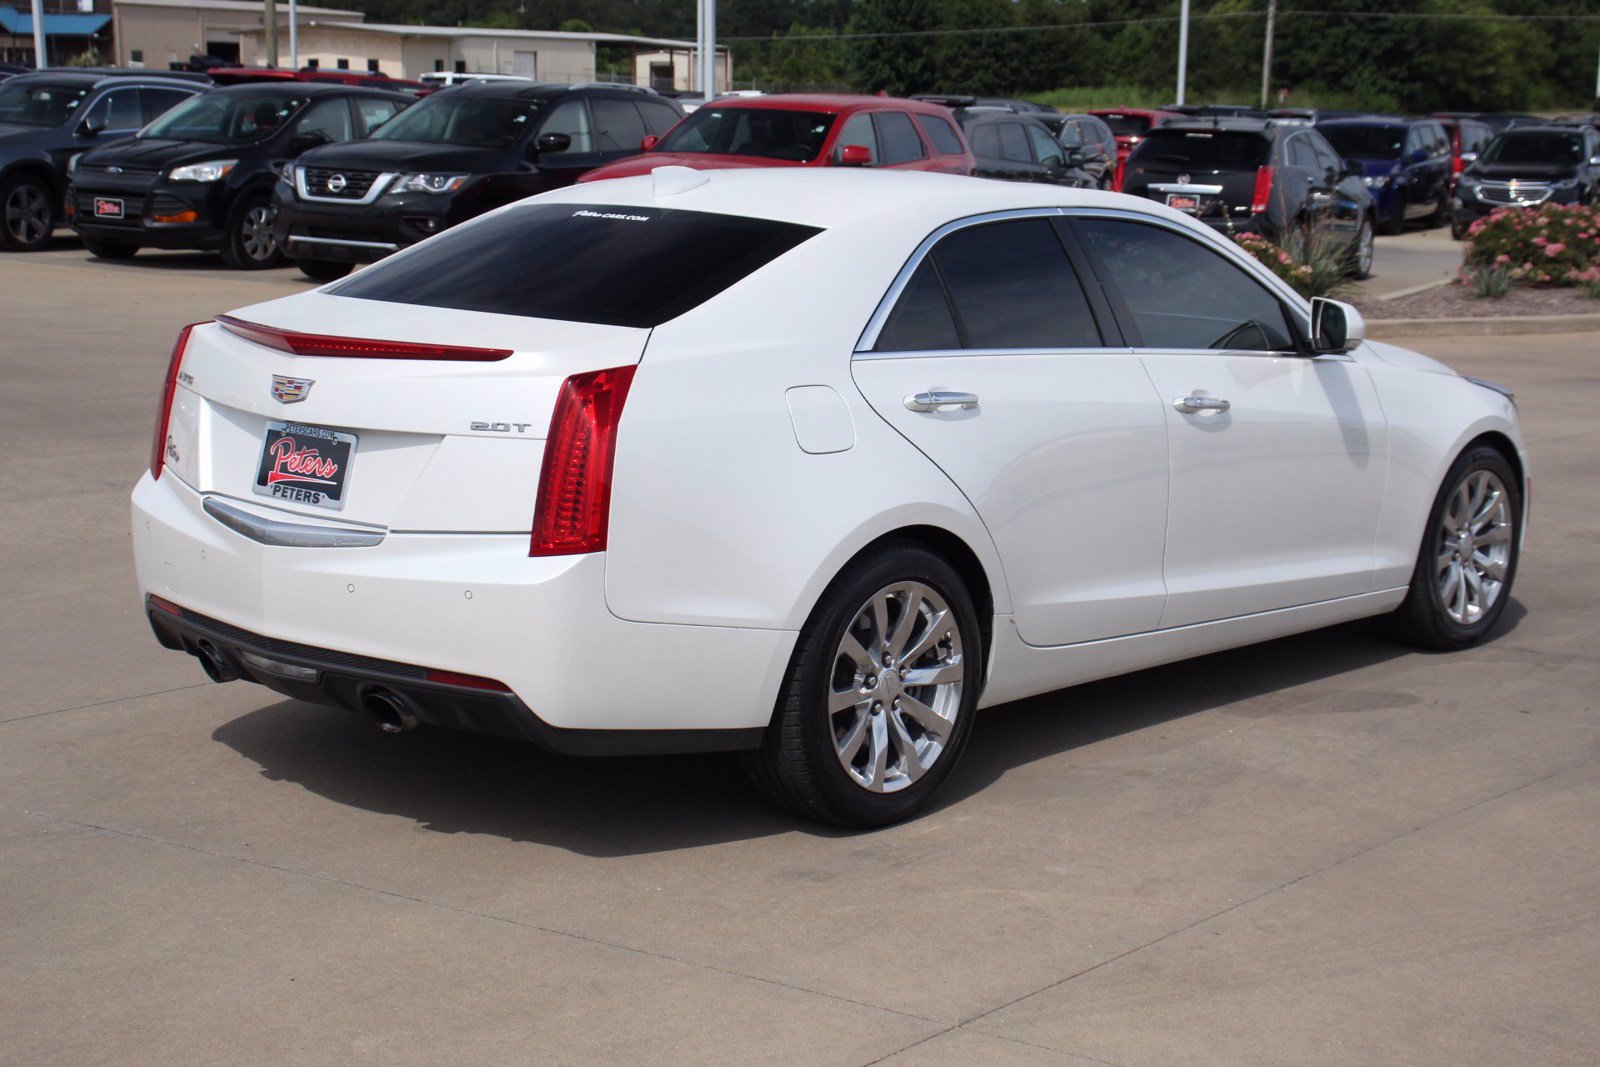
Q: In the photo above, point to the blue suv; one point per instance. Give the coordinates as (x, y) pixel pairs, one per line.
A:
(1407, 165)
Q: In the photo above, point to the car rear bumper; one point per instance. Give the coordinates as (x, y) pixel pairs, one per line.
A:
(580, 679)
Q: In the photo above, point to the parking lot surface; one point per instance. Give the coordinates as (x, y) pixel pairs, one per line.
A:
(1327, 849)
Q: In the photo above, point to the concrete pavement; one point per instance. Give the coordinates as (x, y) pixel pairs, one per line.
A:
(1415, 258)
(1328, 849)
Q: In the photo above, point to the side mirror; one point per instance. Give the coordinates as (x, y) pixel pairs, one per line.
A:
(1075, 158)
(855, 155)
(1594, 161)
(1419, 156)
(91, 127)
(1352, 169)
(649, 142)
(302, 142)
(1470, 157)
(1336, 327)
(553, 142)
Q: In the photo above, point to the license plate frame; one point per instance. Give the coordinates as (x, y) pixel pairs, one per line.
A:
(304, 464)
(1185, 202)
(109, 207)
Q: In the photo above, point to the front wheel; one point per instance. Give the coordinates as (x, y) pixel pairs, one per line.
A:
(323, 270)
(1468, 557)
(27, 214)
(250, 243)
(878, 702)
(1361, 251)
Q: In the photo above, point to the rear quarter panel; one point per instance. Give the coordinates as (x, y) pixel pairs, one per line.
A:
(718, 517)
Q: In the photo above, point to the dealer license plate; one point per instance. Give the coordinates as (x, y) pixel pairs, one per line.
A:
(107, 207)
(1183, 201)
(305, 465)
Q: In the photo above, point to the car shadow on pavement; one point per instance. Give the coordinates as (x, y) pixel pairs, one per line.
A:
(463, 783)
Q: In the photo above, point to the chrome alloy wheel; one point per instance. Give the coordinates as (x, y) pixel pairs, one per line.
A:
(895, 687)
(255, 233)
(27, 214)
(1364, 250)
(1474, 547)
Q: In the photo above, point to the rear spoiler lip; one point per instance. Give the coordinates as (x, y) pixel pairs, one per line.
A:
(297, 343)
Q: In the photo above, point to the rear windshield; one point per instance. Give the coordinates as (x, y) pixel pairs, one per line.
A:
(1203, 149)
(619, 266)
(458, 119)
(767, 133)
(229, 117)
(1126, 125)
(1535, 148)
(1365, 142)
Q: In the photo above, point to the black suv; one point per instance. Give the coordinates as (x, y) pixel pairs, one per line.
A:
(1256, 176)
(1017, 146)
(48, 118)
(456, 154)
(1527, 166)
(201, 176)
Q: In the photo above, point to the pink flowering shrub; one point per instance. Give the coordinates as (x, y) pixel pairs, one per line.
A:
(1301, 267)
(1554, 244)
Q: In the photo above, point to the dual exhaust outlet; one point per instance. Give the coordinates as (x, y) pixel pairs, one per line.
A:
(391, 711)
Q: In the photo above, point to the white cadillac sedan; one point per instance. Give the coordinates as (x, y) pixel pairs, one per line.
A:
(808, 466)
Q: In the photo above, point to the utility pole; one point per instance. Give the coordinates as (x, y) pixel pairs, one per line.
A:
(294, 36)
(1266, 57)
(271, 22)
(706, 47)
(1183, 50)
(41, 57)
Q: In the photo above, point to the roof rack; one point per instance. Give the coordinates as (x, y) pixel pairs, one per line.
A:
(624, 86)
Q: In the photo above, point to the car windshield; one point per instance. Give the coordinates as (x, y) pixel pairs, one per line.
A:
(1365, 142)
(768, 133)
(622, 266)
(40, 103)
(1535, 148)
(228, 117)
(461, 119)
(1203, 149)
(1126, 125)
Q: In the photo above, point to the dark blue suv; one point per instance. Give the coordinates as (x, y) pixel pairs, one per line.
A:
(1407, 164)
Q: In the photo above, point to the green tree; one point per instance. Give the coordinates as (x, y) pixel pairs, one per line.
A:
(894, 64)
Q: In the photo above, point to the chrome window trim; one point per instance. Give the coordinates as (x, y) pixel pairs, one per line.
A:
(379, 184)
(949, 353)
(1297, 304)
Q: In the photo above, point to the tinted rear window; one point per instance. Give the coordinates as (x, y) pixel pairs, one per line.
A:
(941, 134)
(1203, 149)
(1127, 125)
(620, 266)
(1365, 142)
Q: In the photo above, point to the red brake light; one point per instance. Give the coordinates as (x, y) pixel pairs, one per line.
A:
(309, 344)
(1261, 199)
(574, 503)
(158, 448)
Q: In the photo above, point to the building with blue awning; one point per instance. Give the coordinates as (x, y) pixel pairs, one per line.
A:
(66, 36)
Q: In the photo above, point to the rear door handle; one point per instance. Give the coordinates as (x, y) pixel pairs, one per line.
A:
(1189, 405)
(941, 401)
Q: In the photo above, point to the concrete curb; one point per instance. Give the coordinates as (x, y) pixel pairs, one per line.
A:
(1415, 289)
(1494, 326)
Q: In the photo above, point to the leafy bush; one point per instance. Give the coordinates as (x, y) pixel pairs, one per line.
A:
(1554, 244)
(1314, 266)
(1489, 282)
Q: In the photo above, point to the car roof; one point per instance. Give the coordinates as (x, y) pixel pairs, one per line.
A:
(831, 103)
(1226, 124)
(308, 89)
(829, 197)
(93, 77)
(512, 89)
(1545, 128)
(1373, 120)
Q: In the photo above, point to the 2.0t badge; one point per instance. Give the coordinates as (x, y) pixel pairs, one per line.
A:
(290, 390)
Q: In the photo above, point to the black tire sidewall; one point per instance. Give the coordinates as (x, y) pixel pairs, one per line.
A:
(233, 249)
(811, 674)
(1424, 583)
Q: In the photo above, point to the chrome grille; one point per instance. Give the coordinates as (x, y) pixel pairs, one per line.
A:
(345, 184)
(1524, 194)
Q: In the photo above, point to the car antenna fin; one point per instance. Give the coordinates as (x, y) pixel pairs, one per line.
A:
(670, 181)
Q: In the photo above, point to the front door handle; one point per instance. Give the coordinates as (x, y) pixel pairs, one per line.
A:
(941, 401)
(1189, 405)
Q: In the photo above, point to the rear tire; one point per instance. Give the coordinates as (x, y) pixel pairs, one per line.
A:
(28, 213)
(856, 739)
(100, 248)
(323, 270)
(250, 243)
(1468, 556)
(1361, 250)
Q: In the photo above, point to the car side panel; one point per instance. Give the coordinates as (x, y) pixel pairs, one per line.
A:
(707, 430)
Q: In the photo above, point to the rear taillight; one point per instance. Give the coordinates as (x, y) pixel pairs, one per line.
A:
(1120, 173)
(158, 449)
(1457, 165)
(315, 344)
(470, 681)
(574, 502)
(1261, 199)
